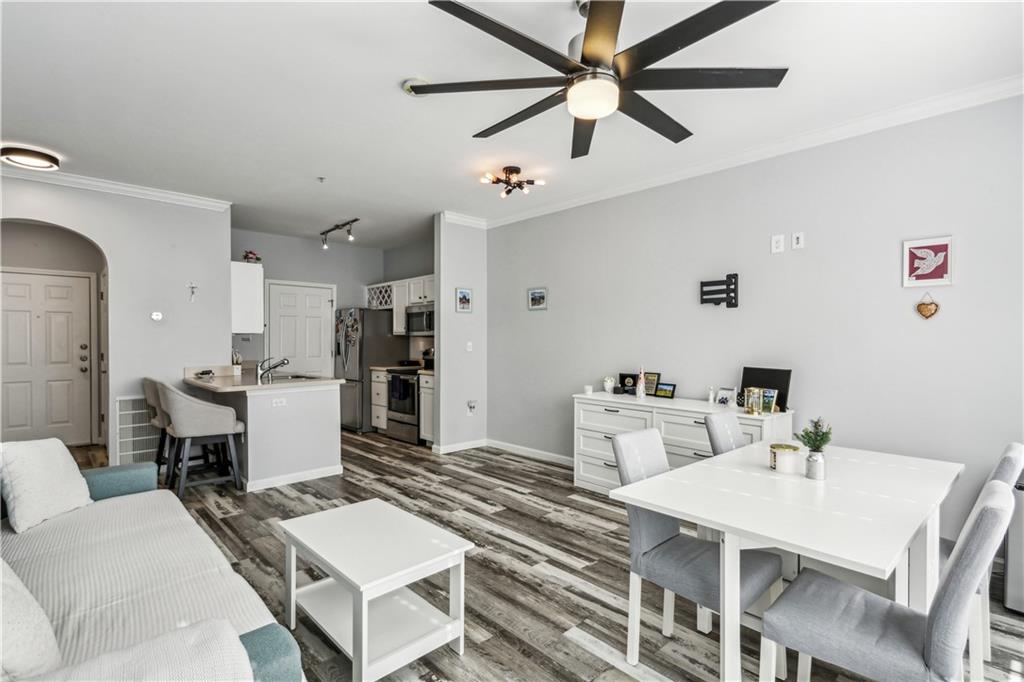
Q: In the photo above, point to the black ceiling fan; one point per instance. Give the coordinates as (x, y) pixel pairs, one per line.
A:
(602, 81)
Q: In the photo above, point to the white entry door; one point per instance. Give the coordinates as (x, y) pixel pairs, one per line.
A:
(300, 327)
(46, 357)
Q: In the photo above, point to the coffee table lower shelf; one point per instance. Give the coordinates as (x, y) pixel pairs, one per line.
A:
(402, 626)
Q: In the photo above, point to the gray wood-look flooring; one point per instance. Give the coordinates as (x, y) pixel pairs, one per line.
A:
(546, 586)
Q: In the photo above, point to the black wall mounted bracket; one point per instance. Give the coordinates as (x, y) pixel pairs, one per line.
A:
(720, 291)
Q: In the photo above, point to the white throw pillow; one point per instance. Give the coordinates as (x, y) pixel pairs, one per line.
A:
(29, 645)
(40, 480)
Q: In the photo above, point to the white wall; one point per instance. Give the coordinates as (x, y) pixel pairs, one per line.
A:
(409, 260)
(39, 245)
(301, 259)
(153, 251)
(623, 279)
(461, 255)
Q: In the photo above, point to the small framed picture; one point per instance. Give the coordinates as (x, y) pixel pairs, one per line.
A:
(665, 391)
(768, 398)
(651, 380)
(628, 383)
(537, 299)
(726, 396)
(928, 262)
(463, 300)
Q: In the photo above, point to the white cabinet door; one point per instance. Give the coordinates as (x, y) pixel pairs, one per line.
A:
(246, 298)
(427, 414)
(416, 290)
(428, 289)
(301, 328)
(399, 300)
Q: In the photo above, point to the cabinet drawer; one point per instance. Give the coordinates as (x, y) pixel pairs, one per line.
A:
(595, 444)
(597, 472)
(752, 432)
(426, 381)
(379, 416)
(679, 456)
(379, 395)
(683, 429)
(381, 377)
(612, 420)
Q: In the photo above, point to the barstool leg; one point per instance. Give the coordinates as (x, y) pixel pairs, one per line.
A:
(160, 450)
(186, 445)
(234, 461)
(168, 457)
(173, 457)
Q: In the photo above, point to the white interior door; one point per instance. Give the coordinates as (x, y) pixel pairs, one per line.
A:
(300, 327)
(46, 357)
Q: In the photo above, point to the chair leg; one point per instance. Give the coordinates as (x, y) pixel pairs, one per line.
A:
(803, 667)
(233, 452)
(633, 620)
(781, 669)
(769, 654)
(986, 619)
(668, 613)
(160, 449)
(186, 446)
(704, 619)
(976, 639)
(173, 445)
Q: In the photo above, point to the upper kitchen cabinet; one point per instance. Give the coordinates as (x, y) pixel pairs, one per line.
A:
(421, 289)
(399, 302)
(246, 298)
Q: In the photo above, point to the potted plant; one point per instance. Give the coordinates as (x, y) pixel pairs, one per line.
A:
(815, 437)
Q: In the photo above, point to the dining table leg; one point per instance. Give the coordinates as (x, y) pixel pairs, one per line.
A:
(729, 611)
(923, 559)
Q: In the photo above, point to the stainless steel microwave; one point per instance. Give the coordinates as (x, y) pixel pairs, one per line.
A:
(419, 320)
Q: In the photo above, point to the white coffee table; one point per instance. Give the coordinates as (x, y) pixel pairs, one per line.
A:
(372, 550)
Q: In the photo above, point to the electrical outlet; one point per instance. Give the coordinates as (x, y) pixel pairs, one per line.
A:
(798, 240)
(469, 346)
(246, 339)
(778, 243)
(279, 402)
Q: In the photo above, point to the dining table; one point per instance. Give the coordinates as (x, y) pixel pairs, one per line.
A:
(875, 513)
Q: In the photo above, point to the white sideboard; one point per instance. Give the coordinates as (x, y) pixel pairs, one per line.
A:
(600, 416)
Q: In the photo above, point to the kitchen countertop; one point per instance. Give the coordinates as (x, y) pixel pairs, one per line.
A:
(428, 372)
(384, 368)
(247, 382)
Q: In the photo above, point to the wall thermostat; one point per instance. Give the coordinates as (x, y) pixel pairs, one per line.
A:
(156, 316)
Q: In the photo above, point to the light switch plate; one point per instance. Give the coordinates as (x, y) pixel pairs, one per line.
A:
(278, 402)
(778, 243)
(798, 240)
(469, 346)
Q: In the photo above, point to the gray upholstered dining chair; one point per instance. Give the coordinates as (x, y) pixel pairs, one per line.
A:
(865, 633)
(160, 421)
(676, 562)
(197, 422)
(724, 432)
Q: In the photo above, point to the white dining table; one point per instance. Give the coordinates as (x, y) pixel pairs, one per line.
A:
(876, 513)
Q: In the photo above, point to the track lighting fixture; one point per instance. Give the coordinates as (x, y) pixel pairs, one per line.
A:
(511, 180)
(347, 225)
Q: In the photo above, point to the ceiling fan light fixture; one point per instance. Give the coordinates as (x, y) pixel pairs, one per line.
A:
(31, 159)
(593, 95)
(323, 243)
(351, 237)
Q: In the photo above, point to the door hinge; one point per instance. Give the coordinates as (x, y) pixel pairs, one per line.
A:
(103, 295)
(103, 418)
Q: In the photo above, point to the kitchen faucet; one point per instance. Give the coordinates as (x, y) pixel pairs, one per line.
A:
(262, 373)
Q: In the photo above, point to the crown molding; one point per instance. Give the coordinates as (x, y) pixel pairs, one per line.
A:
(985, 93)
(463, 219)
(112, 187)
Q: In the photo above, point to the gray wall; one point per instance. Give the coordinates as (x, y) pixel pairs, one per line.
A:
(623, 280)
(153, 251)
(40, 245)
(300, 259)
(410, 260)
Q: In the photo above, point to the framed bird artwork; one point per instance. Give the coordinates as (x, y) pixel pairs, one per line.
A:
(928, 262)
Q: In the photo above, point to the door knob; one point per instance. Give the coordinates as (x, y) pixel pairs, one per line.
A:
(84, 346)
(83, 358)
(83, 369)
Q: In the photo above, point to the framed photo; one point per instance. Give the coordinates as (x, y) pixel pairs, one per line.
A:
(768, 398)
(463, 300)
(928, 262)
(651, 380)
(726, 396)
(537, 299)
(665, 391)
(628, 383)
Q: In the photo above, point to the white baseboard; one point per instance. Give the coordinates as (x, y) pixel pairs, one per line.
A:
(455, 447)
(542, 455)
(298, 477)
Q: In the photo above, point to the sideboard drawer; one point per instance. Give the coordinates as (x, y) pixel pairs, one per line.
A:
(683, 429)
(595, 444)
(679, 456)
(612, 420)
(597, 472)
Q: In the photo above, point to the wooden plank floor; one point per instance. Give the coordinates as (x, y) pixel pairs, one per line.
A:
(546, 587)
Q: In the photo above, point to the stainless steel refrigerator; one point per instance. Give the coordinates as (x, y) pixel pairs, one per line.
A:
(363, 338)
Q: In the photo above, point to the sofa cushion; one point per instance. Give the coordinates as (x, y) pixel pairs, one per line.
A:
(29, 646)
(40, 480)
(127, 569)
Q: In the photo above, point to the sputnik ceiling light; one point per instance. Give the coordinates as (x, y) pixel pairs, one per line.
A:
(31, 159)
(511, 180)
(347, 225)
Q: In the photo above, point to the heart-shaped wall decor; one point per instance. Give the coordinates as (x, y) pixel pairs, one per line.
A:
(928, 309)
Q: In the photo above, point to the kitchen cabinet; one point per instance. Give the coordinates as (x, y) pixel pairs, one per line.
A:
(246, 298)
(421, 289)
(428, 288)
(427, 408)
(379, 400)
(399, 301)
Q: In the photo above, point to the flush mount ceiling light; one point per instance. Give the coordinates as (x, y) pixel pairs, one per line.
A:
(593, 95)
(347, 225)
(511, 180)
(32, 159)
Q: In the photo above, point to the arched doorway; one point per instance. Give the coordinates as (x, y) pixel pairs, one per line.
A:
(53, 353)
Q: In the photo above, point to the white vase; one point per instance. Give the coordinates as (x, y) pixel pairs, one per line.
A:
(609, 385)
(815, 466)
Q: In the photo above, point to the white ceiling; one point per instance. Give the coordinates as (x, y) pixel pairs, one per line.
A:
(250, 102)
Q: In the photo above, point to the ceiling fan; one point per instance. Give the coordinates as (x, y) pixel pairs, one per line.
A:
(603, 81)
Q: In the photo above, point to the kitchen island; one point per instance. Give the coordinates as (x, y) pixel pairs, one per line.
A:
(292, 425)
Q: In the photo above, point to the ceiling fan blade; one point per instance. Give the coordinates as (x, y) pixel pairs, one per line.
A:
(642, 111)
(603, 19)
(685, 33)
(704, 79)
(556, 60)
(480, 86)
(540, 107)
(582, 134)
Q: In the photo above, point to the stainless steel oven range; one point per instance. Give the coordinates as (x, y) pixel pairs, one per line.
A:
(403, 405)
